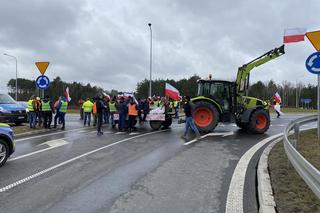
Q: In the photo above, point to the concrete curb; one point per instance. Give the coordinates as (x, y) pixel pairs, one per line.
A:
(265, 193)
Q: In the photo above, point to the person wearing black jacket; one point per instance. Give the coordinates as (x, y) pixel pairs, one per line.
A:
(100, 109)
(187, 107)
(47, 110)
(122, 108)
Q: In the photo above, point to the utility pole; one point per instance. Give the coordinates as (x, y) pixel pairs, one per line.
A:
(150, 82)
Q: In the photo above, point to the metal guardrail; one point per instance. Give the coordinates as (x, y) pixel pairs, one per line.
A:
(308, 172)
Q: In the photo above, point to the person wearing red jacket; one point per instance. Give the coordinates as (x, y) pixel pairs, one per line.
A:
(80, 102)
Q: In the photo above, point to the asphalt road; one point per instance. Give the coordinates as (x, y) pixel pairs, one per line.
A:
(146, 171)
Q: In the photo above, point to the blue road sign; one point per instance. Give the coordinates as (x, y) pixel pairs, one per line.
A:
(306, 100)
(313, 63)
(42, 82)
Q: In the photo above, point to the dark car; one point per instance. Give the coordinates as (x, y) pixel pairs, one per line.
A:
(7, 144)
(11, 111)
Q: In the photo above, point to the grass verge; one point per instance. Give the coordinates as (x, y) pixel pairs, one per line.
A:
(23, 128)
(297, 110)
(290, 191)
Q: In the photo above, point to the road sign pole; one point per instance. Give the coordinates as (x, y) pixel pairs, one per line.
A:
(318, 107)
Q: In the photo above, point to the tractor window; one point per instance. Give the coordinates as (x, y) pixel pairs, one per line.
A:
(204, 89)
(218, 91)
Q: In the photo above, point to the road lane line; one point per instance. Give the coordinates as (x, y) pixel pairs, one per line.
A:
(195, 140)
(119, 133)
(234, 202)
(60, 142)
(43, 135)
(19, 182)
(134, 133)
(223, 134)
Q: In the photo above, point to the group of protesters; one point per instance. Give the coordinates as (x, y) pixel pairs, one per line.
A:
(40, 112)
(126, 109)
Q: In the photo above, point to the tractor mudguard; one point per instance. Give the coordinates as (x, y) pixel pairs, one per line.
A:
(203, 98)
(245, 118)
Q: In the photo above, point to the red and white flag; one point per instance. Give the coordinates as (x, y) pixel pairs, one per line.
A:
(67, 95)
(277, 98)
(294, 35)
(172, 92)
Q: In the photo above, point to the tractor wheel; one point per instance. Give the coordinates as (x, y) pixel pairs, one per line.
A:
(206, 116)
(259, 122)
(241, 125)
(155, 125)
(167, 123)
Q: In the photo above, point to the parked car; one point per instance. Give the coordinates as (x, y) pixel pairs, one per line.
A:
(25, 105)
(11, 111)
(7, 144)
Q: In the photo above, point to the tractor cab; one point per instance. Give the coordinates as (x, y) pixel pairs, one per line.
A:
(222, 92)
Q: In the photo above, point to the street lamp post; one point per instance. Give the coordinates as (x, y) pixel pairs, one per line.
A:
(150, 82)
(16, 73)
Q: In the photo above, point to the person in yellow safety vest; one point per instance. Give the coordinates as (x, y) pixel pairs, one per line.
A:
(61, 108)
(32, 107)
(47, 110)
(176, 108)
(87, 109)
(157, 102)
(112, 109)
(133, 113)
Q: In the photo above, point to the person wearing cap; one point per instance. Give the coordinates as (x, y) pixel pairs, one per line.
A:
(61, 109)
(113, 110)
(94, 111)
(39, 111)
(32, 107)
(87, 109)
(187, 107)
(132, 113)
(47, 110)
(100, 109)
(122, 109)
(80, 102)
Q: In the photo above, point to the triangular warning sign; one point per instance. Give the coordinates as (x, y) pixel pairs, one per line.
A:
(314, 38)
(42, 66)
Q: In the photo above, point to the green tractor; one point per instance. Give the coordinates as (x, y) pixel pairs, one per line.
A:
(225, 101)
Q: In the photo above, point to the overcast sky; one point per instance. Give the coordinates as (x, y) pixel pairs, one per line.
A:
(106, 42)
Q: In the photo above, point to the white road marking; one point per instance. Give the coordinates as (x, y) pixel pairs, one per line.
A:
(234, 202)
(120, 133)
(195, 140)
(134, 133)
(53, 144)
(19, 182)
(223, 134)
(108, 132)
(43, 135)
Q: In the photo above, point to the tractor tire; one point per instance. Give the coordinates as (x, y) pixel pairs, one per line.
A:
(155, 125)
(167, 123)
(259, 122)
(241, 125)
(206, 116)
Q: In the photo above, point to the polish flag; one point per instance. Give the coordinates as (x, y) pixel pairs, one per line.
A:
(67, 95)
(172, 92)
(294, 35)
(277, 98)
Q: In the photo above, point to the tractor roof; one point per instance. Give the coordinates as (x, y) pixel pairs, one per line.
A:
(212, 81)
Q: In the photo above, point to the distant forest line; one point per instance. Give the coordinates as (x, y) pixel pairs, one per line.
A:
(291, 94)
